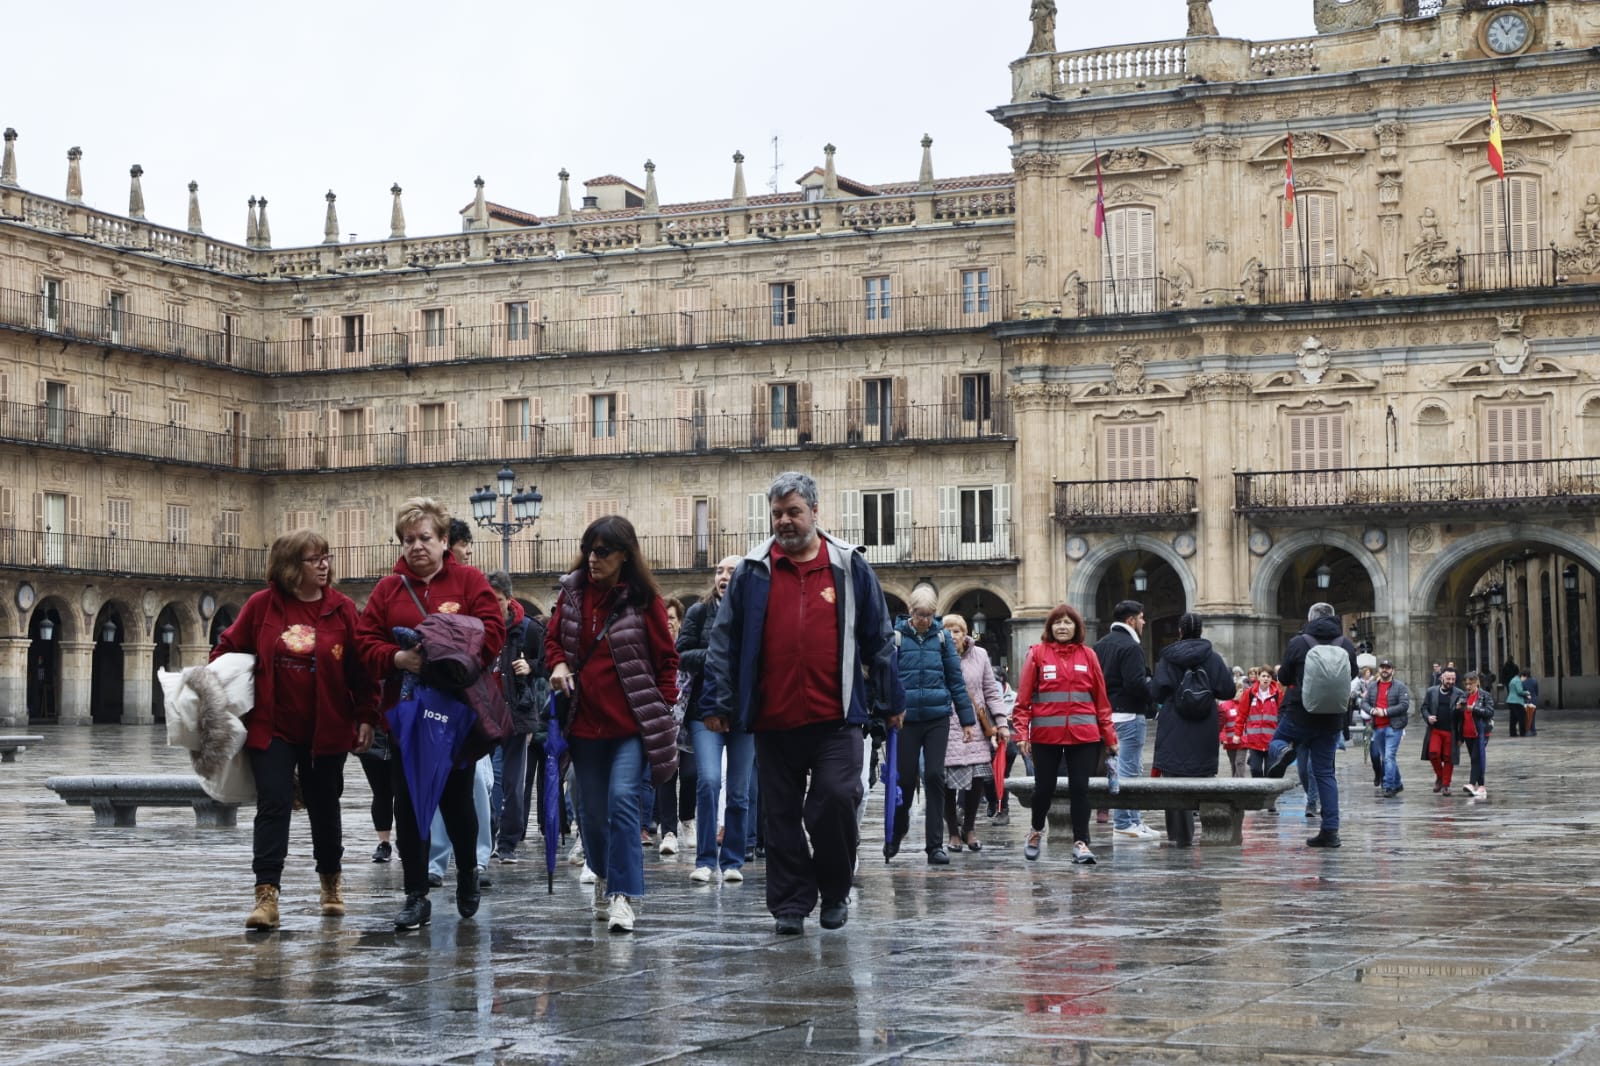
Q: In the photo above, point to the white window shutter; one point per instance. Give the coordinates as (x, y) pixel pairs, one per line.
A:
(903, 536)
(1002, 521)
(758, 519)
(849, 526)
(949, 521)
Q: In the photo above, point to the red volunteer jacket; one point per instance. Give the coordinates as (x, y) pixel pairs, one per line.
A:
(1062, 697)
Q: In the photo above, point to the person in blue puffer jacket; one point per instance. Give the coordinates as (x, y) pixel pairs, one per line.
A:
(930, 671)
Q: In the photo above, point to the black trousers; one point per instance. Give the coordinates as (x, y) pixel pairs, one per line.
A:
(930, 740)
(810, 785)
(676, 798)
(1519, 718)
(321, 785)
(1080, 761)
(960, 824)
(460, 822)
(382, 785)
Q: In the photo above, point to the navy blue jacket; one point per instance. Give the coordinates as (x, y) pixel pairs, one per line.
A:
(869, 683)
(930, 672)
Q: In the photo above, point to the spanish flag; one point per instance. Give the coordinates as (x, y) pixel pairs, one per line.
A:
(1288, 181)
(1497, 155)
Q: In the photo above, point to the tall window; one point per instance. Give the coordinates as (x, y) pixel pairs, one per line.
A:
(178, 412)
(354, 329)
(976, 395)
(308, 343)
(352, 424)
(878, 394)
(117, 315)
(51, 300)
(229, 339)
(119, 518)
(434, 424)
(603, 415)
(519, 325)
(1512, 248)
(974, 292)
(516, 420)
(784, 406)
(1316, 446)
(1130, 455)
(54, 520)
(1128, 262)
(877, 518)
(55, 411)
(177, 523)
(1310, 248)
(782, 299)
(228, 532)
(977, 516)
(1515, 434)
(433, 328)
(879, 297)
(175, 324)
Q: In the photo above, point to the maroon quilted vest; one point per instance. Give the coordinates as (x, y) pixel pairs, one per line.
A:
(630, 651)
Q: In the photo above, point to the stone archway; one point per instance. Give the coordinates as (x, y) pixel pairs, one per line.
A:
(1429, 583)
(1264, 585)
(1084, 583)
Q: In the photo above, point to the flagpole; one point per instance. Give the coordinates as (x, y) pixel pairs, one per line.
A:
(1105, 239)
(1497, 160)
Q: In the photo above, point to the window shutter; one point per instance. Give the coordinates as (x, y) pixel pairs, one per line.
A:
(901, 409)
(1128, 257)
(683, 516)
(855, 405)
(1315, 229)
(1002, 521)
(902, 524)
(8, 505)
(805, 423)
(621, 443)
(757, 518)
(949, 521)
(850, 527)
(1524, 196)
(759, 419)
(494, 417)
(449, 350)
(500, 345)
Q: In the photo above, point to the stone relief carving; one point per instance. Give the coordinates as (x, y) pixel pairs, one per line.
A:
(1127, 369)
(1123, 159)
(1389, 134)
(1034, 164)
(1511, 348)
(1216, 385)
(1201, 24)
(1043, 17)
(1217, 144)
(1313, 360)
(1430, 258)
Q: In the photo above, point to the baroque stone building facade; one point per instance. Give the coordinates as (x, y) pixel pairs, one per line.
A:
(1390, 404)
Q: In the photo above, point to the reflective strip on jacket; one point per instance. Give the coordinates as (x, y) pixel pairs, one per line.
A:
(1062, 697)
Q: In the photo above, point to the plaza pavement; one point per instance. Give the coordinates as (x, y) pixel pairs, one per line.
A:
(1445, 931)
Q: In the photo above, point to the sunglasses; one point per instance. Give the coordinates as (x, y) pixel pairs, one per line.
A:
(601, 551)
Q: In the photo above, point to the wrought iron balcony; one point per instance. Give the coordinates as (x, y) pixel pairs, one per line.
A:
(1124, 296)
(1534, 268)
(29, 549)
(1308, 284)
(1542, 486)
(60, 427)
(976, 544)
(1132, 503)
(114, 328)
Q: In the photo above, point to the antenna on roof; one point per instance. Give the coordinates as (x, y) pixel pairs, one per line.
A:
(777, 166)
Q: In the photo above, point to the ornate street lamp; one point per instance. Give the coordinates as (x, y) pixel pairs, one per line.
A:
(1141, 580)
(1569, 577)
(168, 633)
(108, 632)
(47, 629)
(1324, 576)
(519, 508)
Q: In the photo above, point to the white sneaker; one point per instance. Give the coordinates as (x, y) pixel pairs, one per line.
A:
(602, 904)
(1147, 833)
(732, 876)
(575, 856)
(669, 843)
(621, 920)
(701, 875)
(686, 829)
(587, 877)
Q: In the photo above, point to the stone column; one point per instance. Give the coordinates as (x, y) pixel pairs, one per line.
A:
(138, 672)
(186, 655)
(77, 667)
(14, 682)
(1041, 574)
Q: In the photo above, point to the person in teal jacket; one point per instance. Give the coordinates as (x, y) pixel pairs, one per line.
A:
(930, 671)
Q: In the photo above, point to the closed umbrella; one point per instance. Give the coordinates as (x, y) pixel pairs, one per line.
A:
(999, 771)
(429, 728)
(555, 746)
(891, 783)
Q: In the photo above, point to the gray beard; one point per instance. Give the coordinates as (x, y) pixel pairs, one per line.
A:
(794, 543)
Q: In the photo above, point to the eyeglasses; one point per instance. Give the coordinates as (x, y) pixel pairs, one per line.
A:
(317, 560)
(602, 551)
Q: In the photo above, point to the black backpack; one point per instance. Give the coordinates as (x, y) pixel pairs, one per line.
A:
(1193, 701)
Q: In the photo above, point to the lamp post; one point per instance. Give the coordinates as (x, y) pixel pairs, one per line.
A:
(518, 509)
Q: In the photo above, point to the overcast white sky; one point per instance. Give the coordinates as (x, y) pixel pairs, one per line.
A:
(292, 98)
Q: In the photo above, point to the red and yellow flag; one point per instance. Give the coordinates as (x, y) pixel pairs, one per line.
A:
(1497, 153)
(1288, 181)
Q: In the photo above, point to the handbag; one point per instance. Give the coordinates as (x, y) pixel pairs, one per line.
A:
(491, 717)
(566, 707)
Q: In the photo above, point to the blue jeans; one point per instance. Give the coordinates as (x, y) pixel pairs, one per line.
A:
(1302, 766)
(1387, 741)
(1319, 748)
(608, 773)
(439, 839)
(708, 750)
(1130, 764)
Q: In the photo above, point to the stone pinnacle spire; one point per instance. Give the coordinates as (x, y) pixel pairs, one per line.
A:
(263, 231)
(397, 215)
(652, 200)
(330, 225)
(252, 234)
(480, 209)
(74, 175)
(740, 197)
(135, 192)
(564, 208)
(194, 208)
(925, 176)
(830, 176)
(8, 165)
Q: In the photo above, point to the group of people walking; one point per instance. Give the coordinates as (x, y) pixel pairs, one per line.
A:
(785, 666)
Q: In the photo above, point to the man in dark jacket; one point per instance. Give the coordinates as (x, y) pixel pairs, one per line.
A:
(802, 654)
(1122, 662)
(1319, 733)
(1187, 728)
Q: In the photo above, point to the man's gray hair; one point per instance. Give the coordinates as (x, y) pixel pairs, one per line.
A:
(1319, 610)
(500, 581)
(793, 481)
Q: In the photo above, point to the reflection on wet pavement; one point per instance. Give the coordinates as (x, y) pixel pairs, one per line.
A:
(1445, 930)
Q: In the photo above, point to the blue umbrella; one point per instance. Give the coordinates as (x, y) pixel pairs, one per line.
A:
(429, 727)
(555, 746)
(891, 782)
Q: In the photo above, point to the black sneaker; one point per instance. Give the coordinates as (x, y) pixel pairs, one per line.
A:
(435, 880)
(1390, 793)
(1003, 818)
(891, 849)
(1324, 839)
(507, 857)
(1279, 766)
(383, 852)
(938, 857)
(416, 913)
(467, 896)
(484, 880)
(834, 915)
(789, 925)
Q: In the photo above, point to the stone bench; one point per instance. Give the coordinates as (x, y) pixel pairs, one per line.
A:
(1221, 801)
(116, 798)
(10, 747)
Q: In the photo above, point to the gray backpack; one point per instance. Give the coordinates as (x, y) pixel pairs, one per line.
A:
(1325, 682)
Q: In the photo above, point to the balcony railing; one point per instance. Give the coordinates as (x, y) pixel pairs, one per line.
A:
(1132, 503)
(29, 549)
(1490, 271)
(700, 434)
(1124, 296)
(91, 324)
(990, 542)
(1542, 485)
(1308, 284)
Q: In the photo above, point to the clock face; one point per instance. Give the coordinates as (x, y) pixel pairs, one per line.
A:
(1506, 33)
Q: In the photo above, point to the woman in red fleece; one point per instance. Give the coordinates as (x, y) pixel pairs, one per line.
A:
(427, 580)
(314, 704)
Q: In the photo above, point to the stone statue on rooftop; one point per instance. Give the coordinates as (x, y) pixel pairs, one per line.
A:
(1043, 16)
(1201, 24)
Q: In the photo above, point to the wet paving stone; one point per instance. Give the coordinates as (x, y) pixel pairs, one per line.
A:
(1445, 931)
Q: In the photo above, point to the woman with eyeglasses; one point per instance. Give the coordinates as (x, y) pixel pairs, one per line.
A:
(428, 580)
(610, 650)
(314, 704)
